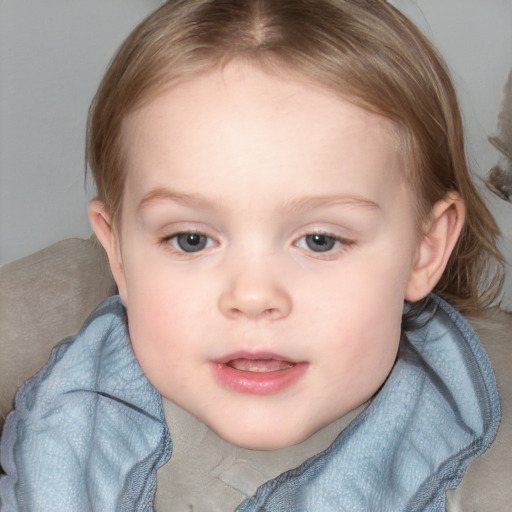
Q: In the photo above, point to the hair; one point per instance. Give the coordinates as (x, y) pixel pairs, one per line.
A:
(365, 51)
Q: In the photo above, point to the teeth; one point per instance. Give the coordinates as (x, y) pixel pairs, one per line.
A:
(259, 365)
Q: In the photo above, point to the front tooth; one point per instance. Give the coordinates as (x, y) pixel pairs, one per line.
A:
(260, 368)
(266, 370)
(254, 369)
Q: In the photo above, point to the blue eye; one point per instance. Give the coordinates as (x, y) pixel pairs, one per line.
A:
(320, 242)
(190, 242)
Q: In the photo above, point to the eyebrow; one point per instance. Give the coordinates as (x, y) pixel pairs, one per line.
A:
(166, 194)
(312, 202)
(293, 205)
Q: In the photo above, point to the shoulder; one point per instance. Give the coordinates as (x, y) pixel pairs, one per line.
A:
(486, 485)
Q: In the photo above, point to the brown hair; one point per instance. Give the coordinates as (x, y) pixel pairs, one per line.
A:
(363, 50)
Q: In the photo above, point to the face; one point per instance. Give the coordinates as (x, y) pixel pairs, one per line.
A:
(266, 244)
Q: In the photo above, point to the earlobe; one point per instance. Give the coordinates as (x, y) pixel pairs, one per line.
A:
(105, 232)
(442, 231)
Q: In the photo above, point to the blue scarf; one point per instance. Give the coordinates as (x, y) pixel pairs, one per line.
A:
(88, 432)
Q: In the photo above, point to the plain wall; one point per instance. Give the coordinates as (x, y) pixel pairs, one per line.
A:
(52, 56)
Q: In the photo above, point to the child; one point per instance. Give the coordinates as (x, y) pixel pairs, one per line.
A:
(276, 179)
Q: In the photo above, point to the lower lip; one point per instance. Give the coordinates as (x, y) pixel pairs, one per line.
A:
(258, 383)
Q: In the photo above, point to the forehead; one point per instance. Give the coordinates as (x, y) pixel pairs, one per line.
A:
(242, 122)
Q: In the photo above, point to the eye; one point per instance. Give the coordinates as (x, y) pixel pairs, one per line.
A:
(189, 242)
(320, 242)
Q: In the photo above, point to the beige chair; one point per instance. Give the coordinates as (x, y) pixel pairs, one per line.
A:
(45, 297)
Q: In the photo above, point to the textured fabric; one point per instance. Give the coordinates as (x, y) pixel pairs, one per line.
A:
(89, 432)
(487, 483)
(45, 297)
(208, 474)
(438, 410)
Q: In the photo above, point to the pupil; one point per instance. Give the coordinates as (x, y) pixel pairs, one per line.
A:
(320, 243)
(193, 239)
(191, 242)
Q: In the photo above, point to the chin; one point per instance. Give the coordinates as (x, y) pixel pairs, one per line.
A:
(264, 441)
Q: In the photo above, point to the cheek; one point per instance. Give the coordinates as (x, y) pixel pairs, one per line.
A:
(160, 316)
(357, 324)
(162, 342)
(157, 288)
(166, 310)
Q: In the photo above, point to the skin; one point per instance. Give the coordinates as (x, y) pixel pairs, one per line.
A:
(255, 166)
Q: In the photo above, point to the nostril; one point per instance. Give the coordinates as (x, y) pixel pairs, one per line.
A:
(261, 313)
(254, 299)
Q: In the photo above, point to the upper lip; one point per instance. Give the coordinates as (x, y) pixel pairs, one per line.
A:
(269, 356)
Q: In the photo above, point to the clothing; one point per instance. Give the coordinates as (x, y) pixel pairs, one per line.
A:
(89, 432)
(487, 483)
(208, 474)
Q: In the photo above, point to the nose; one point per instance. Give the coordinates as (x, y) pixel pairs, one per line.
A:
(255, 294)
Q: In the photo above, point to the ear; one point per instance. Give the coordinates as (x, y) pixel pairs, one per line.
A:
(442, 230)
(106, 234)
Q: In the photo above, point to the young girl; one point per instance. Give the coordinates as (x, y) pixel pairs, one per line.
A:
(281, 184)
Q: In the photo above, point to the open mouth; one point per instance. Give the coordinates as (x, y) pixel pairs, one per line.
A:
(259, 374)
(259, 365)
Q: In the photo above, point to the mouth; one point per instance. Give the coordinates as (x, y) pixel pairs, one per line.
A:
(259, 374)
(259, 365)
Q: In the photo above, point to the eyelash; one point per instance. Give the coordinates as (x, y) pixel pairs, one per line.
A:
(167, 241)
(343, 244)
